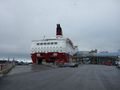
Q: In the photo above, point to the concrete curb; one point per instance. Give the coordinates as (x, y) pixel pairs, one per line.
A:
(5, 71)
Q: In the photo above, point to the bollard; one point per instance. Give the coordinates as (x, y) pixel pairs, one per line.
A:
(0, 67)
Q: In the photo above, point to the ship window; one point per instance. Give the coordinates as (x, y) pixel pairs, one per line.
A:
(37, 43)
(44, 43)
(48, 43)
(55, 42)
(51, 42)
(41, 43)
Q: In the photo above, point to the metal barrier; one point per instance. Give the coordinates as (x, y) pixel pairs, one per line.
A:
(6, 67)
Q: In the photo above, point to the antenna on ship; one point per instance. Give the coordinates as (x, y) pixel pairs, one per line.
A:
(59, 31)
(43, 37)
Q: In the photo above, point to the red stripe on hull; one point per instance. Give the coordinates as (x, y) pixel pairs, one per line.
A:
(50, 57)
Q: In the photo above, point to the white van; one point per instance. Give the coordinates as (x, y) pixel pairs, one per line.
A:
(118, 63)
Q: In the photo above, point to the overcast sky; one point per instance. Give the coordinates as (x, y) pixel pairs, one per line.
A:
(90, 24)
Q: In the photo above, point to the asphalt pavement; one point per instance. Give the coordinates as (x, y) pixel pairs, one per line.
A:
(84, 77)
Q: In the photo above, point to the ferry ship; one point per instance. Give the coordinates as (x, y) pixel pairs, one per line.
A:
(55, 50)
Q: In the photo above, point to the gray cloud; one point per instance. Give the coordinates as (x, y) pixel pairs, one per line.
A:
(89, 23)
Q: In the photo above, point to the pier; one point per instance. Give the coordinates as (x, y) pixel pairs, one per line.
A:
(41, 77)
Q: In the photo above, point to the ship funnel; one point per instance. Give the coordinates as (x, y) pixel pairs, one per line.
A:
(58, 31)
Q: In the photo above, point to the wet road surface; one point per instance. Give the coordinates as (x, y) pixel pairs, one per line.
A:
(19, 69)
(85, 77)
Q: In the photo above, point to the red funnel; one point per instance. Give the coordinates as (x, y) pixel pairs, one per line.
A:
(58, 30)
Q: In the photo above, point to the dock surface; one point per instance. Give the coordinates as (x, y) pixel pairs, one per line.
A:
(84, 77)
